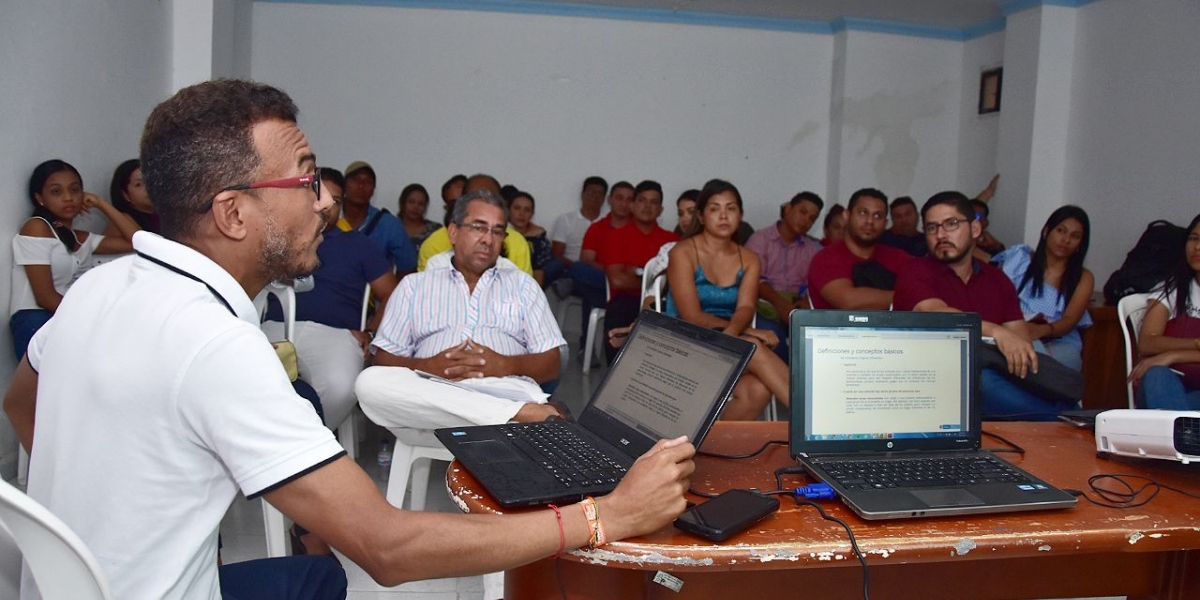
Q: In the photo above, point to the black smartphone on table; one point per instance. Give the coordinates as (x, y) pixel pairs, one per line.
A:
(731, 512)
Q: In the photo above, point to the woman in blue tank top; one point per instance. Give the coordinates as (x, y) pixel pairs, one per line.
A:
(713, 282)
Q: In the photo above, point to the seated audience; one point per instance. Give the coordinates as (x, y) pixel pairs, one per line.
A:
(514, 246)
(143, 469)
(566, 235)
(1016, 382)
(451, 190)
(786, 251)
(1053, 286)
(626, 252)
(712, 282)
(467, 320)
(587, 273)
(330, 346)
(48, 253)
(546, 268)
(685, 208)
(834, 226)
(904, 233)
(1168, 374)
(129, 196)
(857, 272)
(414, 203)
(379, 225)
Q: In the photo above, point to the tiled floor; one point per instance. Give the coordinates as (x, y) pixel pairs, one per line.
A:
(243, 535)
(242, 529)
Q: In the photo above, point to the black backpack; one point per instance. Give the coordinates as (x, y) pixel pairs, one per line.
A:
(1149, 263)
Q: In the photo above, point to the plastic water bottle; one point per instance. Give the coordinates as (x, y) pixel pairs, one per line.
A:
(385, 458)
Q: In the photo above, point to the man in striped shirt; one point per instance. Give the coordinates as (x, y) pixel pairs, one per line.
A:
(484, 327)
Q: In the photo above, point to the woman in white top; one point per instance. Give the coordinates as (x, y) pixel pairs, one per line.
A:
(48, 253)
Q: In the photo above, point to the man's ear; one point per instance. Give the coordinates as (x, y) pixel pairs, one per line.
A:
(228, 213)
(976, 229)
(452, 232)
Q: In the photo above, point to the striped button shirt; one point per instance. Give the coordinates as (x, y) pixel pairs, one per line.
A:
(434, 310)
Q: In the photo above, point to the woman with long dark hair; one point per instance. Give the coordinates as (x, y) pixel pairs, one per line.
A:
(129, 196)
(48, 253)
(414, 203)
(1053, 286)
(712, 281)
(1168, 375)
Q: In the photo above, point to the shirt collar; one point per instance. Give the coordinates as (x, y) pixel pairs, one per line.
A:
(183, 259)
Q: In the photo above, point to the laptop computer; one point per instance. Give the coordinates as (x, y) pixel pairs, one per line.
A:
(885, 408)
(671, 378)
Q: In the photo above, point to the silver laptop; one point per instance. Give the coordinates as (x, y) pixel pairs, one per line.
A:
(885, 408)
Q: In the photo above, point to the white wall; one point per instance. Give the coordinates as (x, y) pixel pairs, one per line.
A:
(900, 115)
(543, 101)
(79, 80)
(1134, 137)
(977, 135)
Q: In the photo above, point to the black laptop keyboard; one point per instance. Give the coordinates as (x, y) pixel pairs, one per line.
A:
(564, 454)
(921, 472)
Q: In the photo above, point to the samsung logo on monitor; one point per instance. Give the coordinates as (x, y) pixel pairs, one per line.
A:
(858, 319)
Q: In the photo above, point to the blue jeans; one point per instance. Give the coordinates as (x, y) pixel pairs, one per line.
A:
(1161, 388)
(287, 578)
(25, 323)
(590, 284)
(1003, 399)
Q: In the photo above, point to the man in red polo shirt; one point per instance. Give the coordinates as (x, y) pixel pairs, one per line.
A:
(630, 248)
(1016, 381)
(858, 272)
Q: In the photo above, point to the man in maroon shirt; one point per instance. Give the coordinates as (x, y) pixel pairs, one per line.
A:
(858, 272)
(1016, 381)
(631, 248)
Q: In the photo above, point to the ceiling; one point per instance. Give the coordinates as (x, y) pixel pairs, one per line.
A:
(938, 13)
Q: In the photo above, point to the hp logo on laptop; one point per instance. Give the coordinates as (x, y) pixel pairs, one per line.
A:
(858, 319)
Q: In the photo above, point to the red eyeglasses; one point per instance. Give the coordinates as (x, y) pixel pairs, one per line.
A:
(311, 180)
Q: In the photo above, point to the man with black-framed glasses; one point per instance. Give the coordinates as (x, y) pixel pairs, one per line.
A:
(1017, 382)
(858, 272)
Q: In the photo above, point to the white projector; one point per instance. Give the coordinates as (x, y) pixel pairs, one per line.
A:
(1164, 434)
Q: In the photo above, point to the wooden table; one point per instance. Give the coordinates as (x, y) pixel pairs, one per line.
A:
(1147, 552)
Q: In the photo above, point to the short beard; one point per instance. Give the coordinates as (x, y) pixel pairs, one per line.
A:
(278, 261)
(949, 260)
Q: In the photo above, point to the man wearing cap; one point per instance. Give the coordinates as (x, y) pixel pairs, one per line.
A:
(380, 225)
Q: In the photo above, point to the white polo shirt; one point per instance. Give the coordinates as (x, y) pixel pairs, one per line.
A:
(158, 399)
(569, 229)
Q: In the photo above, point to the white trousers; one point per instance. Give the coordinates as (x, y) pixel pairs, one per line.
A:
(329, 359)
(397, 397)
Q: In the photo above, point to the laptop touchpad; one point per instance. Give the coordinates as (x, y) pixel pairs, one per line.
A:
(949, 497)
(491, 451)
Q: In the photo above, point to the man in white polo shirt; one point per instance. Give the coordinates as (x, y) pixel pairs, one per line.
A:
(157, 398)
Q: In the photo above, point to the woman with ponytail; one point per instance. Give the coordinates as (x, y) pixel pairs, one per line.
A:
(48, 253)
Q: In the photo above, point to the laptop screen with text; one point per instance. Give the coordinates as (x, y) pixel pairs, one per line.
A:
(665, 381)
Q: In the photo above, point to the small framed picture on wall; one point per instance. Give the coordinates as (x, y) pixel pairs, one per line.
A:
(989, 90)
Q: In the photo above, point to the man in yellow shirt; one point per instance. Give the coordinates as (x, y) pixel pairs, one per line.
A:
(516, 248)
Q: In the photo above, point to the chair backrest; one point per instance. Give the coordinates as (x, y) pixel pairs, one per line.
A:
(362, 319)
(287, 301)
(654, 277)
(1130, 311)
(59, 562)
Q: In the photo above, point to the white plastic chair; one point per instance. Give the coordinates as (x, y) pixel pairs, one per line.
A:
(1130, 311)
(274, 522)
(60, 563)
(595, 322)
(412, 456)
(348, 430)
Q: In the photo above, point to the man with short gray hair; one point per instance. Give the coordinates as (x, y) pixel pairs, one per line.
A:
(468, 321)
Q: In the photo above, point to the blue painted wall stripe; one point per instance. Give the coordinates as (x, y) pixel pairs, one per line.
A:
(684, 17)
